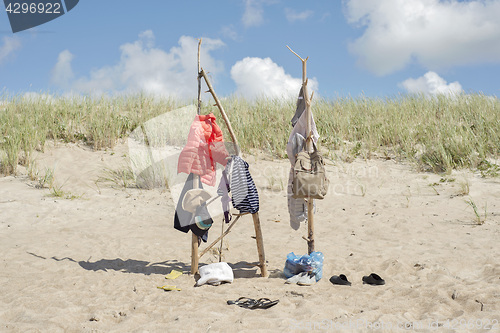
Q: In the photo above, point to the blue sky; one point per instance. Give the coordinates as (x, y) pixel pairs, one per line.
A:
(379, 48)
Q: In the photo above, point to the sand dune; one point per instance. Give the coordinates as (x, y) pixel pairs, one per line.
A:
(91, 261)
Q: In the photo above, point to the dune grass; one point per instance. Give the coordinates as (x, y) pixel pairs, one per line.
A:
(439, 134)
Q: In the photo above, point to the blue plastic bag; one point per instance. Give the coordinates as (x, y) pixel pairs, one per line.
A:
(307, 263)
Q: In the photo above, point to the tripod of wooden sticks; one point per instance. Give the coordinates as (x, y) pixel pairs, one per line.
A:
(195, 256)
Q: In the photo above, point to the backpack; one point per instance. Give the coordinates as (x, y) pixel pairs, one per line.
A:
(309, 176)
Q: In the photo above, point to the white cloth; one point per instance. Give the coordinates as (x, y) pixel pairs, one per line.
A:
(297, 207)
(300, 128)
(215, 274)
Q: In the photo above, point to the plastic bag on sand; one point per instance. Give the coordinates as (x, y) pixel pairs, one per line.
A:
(307, 263)
(215, 274)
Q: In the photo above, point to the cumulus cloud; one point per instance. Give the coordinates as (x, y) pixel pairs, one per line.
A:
(229, 31)
(431, 84)
(257, 77)
(254, 13)
(434, 33)
(62, 73)
(292, 16)
(38, 97)
(144, 67)
(10, 44)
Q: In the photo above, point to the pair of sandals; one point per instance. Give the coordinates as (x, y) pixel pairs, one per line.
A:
(252, 304)
(372, 279)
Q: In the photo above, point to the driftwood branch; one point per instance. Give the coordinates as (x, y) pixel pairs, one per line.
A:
(220, 237)
(199, 77)
(310, 205)
(258, 231)
(295, 53)
(304, 66)
(195, 240)
(223, 113)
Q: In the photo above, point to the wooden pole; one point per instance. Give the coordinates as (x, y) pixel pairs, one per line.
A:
(310, 201)
(255, 216)
(223, 113)
(309, 143)
(220, 237)
(260, 244)
(199, 77)
(195, 242)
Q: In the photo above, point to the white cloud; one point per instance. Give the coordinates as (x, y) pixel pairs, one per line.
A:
(229, 31)
(257, 77)
(62, 73)
(38, 97)
(254, 13)
(10, 44)
(143, 67)
(431, 84)
(434, 33)
(292, 15)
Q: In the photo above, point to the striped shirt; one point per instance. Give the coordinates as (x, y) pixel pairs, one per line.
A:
(245, 197)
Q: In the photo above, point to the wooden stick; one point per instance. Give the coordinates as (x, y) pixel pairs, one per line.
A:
(196, 182)
(260, 245)
(258, 231)
(194, 253)
(218, 239)
(310, 226)
(310, 201)
(295, 53)
(224, 115)
(221, 240)
(199, 77)
(195, 242)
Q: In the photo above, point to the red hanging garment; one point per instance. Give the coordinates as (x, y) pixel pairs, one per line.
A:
(204, 148)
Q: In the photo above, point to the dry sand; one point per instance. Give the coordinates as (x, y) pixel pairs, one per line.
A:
(92, 263)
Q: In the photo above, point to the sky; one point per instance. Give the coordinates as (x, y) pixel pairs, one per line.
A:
(373, 48)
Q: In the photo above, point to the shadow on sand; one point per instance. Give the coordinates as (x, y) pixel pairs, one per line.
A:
(242, 269)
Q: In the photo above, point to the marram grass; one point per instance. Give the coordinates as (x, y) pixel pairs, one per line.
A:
(439, 133)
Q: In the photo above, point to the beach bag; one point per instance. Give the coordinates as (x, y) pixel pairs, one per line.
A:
(309, 176)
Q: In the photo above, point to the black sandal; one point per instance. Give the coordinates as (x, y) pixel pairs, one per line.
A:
(250, 303)
(373, 279)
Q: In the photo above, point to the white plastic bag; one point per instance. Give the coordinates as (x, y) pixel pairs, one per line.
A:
(215, 274)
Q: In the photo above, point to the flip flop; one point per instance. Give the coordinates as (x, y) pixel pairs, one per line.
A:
(373, 279)
(341, 280)
(174, 274)
(169, 288)
(250, 303)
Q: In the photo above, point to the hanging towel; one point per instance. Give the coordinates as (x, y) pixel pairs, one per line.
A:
(301, 107)
(300, 128)
(204, 148)
(297, 207)
(244, 197)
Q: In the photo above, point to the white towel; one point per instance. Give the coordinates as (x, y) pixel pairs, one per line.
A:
(297, 207)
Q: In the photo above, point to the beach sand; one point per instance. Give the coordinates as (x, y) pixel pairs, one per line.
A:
(91, 260)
